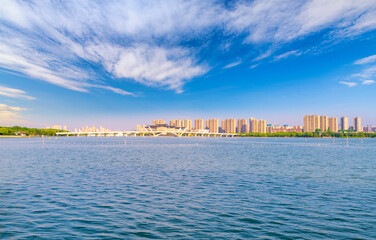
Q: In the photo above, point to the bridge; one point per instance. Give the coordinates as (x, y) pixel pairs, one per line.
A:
(150, 132)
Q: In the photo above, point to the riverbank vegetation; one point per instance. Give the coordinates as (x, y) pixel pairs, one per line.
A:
(24, 131)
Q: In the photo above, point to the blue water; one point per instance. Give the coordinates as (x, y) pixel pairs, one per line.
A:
(187, 188)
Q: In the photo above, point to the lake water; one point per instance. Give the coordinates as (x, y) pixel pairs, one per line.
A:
(187, 188)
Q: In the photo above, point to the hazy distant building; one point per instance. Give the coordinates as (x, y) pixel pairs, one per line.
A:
(269, 128)
(213, 125)
(333, 124)
(177, 123)
(358, 124)
(285, 128)
(344, 123)
(93, 129)
(262, 126)
(243, 126)
(207, 124)
(253, 125)
(199, 124)
(156, 122)
(57, 127)
(187, 124)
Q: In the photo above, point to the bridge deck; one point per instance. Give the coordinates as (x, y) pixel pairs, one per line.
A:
(149, 133)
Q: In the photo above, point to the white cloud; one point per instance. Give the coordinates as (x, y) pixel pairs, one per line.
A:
(365, 60)
(368, 72)
(10, 115)
(286, 20)
(78, 44)
(154, 66)
(287, 54)
(56, 37)
(148, 65)
(232, 64)
(4, 107)
(349, 84)
(368, 82)
(14, 93)
(254, 66)
(264, 55)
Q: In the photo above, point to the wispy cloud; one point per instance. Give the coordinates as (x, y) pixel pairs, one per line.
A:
(232, 64)
(349, 84)
(43, 41)
(286, 20)
(14, 93)
(9, 115)
(287, 55)
(263, 55)
(367, 71)
(254, 66)
(4, 107)
(83, 44)
(366, 60)
(368, 82)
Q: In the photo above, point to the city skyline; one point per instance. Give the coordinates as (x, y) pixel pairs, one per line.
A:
(274, 60)
(310, 123)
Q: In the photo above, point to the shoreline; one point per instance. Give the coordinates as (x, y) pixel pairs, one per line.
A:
(10, 136)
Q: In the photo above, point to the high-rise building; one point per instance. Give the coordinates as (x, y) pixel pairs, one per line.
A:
(262, 126)
(177, 123)
(187, 124)
(157, 122)
(324, 123)
(306, 120)
(243, 126)
(311, 123)
(344, 123)
(358, 124)
(207, 124)
(199, 124)
(333, 124)
(223, 126)
(213, 125)
(228, 125)
(316, 123)
(253, 125)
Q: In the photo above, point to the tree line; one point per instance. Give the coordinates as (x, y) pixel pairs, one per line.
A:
(29, 131)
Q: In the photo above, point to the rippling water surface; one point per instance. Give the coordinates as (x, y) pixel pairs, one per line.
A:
(187, 188)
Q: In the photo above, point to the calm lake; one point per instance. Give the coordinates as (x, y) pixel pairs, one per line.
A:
(187, 188)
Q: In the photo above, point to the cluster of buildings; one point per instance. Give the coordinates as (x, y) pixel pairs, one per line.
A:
(324, 123)
(312, 123)
(92, 129)
(58, 127)
(230, 125)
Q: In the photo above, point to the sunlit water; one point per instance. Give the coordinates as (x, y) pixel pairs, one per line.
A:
(187, 188)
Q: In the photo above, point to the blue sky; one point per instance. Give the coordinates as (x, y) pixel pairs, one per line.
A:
(119, 63)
